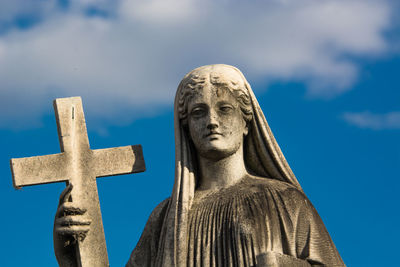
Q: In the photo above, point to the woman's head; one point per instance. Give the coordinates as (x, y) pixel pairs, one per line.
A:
(262, 154)
(223, 78)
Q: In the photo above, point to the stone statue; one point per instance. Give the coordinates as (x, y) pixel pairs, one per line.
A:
(235, 200)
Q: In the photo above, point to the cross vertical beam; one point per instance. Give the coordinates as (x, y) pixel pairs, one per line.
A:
(78, 165)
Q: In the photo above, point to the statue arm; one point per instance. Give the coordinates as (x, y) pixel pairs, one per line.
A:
(271, 258)
(145, 251)
(313, 242)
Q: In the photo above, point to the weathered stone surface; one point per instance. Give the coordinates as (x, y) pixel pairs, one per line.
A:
(235, 200)
(272, 259)
(79, 166)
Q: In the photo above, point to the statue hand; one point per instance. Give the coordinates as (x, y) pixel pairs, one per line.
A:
(69, 228)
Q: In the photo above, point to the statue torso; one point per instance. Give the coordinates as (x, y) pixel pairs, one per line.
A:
(235, 224)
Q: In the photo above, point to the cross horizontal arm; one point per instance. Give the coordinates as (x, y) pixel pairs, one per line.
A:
(118, 160)
(50, 169)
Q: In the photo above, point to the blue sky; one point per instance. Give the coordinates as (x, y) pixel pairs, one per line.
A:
(325, 74)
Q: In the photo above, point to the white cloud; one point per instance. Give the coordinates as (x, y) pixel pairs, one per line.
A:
(11, 8)
(161, 11)
(134, 59)
(373, 121)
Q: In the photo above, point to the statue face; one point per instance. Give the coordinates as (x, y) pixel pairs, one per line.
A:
(215, 121)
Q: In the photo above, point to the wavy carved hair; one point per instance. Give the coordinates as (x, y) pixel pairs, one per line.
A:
(194, 81)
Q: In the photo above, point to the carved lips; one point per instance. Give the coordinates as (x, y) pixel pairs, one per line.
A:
(213, 134)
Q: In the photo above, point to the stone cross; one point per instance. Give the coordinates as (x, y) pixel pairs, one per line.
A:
(78, 165)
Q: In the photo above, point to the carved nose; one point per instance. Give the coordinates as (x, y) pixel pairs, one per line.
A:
(211, 126)
(213, 123)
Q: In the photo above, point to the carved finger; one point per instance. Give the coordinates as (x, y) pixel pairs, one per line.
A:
(65, 194)
(69, 208)
(73, 230)
(72, 220)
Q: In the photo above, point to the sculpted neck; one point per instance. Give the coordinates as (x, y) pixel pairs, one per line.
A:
(220, 173)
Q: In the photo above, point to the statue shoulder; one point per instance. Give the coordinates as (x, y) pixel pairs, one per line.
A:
(273, 184)
(147, 247)
(156, 218)
(285, 191)
(159, 211)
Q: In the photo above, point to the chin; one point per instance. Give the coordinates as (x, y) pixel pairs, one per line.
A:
(214, 152)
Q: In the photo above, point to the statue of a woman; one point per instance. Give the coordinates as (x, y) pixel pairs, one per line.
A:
(235, 200)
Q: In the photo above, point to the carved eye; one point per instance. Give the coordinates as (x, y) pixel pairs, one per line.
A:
(225, 108)
(198, 112)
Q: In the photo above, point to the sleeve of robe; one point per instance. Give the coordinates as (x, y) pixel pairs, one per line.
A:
(146, 249)
(312, 241)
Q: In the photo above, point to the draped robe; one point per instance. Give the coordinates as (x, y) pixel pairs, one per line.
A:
(235, 225)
